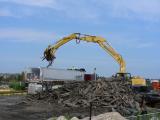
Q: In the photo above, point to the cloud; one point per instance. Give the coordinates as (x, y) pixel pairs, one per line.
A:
(140, 9)
(6, 12)
(145, 45)
(31, 35)
(130, 41)
(39, 3)
(96, 10)
(70, 8)
(25, 35)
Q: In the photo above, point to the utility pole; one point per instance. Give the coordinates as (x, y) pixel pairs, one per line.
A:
(95, 76)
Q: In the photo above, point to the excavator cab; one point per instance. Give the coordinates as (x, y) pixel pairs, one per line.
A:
(125, 76)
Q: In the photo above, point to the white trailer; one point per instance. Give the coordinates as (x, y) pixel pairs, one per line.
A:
(42, 78)
(42, 74)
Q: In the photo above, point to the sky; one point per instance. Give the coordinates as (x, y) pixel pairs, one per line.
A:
(131, 27)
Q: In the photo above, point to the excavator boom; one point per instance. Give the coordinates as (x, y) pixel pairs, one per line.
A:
(49, 53)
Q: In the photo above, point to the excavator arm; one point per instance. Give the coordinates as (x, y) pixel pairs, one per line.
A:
(49, 53)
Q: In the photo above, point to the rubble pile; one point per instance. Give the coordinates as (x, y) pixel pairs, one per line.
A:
(114, 95)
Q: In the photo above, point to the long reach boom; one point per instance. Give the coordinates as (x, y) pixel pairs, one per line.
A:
(49, 53)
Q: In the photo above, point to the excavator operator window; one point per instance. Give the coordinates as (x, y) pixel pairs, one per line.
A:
(125, 76)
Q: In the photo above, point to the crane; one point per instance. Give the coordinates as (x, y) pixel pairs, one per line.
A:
(49, 53)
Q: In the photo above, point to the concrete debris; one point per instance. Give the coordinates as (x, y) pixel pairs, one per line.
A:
(107, 116)
(74, 118)
(61, 118)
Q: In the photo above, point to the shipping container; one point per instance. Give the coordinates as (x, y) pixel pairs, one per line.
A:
(51, 74)
(89, 77)
(155, 84)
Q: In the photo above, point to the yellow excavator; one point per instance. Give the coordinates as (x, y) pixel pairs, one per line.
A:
(49, 53)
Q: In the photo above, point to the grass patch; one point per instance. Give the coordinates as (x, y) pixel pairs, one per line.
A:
(17, 85)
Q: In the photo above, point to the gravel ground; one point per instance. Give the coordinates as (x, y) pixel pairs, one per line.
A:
(13, 108)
